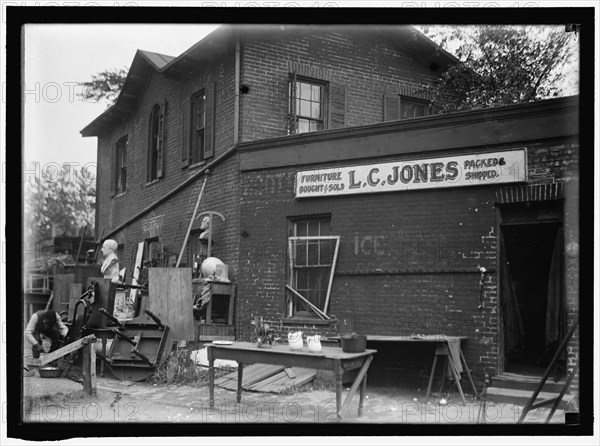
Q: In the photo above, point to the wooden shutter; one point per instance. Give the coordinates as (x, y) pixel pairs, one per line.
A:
(337, 107)
(209, 121)
(292, 115)
(113, 167)
(185, 133)
(391, 107)
(160, 156)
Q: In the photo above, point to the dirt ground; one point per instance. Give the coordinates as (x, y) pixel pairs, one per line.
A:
(63, 400)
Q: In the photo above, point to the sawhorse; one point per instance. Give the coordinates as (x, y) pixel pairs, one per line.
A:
(442, 351)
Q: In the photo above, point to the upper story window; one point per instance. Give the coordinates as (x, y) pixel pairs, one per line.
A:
(308, 106)
(312, 254)
(198, 113)
(198, 103)
(315, 105)
(406, 107)
(156, 142)
(120, 166)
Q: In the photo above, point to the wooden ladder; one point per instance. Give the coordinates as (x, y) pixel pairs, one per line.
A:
(531, 404)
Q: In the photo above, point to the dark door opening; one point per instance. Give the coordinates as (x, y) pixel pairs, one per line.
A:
(531, 286)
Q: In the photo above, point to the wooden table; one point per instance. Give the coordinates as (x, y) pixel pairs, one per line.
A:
(441, 342)
(330, 358)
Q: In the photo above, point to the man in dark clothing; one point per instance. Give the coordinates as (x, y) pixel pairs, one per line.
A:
(49, 324)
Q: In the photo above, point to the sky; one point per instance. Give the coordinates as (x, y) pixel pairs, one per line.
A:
(57, 57)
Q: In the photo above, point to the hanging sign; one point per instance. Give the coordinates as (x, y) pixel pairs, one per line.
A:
(452, 171)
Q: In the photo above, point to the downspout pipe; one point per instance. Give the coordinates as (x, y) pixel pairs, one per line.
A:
(172, 192)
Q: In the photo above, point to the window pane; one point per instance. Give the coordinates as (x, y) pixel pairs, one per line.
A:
(304, 108)
(315, 111)
(301, 227)
(313, 227)
(316, 126)
(326, 252)
(313, 253)
(325, 227)
(304, 90)
(316, 93)
(303, 125)
(300, 253)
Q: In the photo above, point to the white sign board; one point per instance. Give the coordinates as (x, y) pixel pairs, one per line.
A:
(452, 171)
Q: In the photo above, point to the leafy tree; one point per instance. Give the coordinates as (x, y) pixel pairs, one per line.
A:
(504, 65)
(105, 85)
(65, 201)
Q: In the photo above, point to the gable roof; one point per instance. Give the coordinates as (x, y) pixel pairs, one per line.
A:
(223, 38)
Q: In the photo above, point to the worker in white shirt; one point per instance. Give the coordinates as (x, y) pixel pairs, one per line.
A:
(49, 324)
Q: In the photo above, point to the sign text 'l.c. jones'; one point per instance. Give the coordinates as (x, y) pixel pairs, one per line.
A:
(464, 170)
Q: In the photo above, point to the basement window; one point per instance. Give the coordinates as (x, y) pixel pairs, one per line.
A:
(312, 255)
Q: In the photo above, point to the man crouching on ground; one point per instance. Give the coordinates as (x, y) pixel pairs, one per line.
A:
(45, 323)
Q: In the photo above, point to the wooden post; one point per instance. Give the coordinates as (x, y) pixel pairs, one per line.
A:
(187, 234)
(240, 379)
(89, 367)
(211, 378)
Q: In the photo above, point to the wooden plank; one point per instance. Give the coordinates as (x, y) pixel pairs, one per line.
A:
(252, 374)
(90, 339)
(281, 381)
(136, 270)
(61, 290)
(290, 373)
(170, 298)
(75, 293)
(89, 369)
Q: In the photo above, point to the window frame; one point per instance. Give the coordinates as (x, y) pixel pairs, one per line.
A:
(120, 165)
(197, 134)
(294, 104)
(415, 102)
(156, 142)
(326, 270)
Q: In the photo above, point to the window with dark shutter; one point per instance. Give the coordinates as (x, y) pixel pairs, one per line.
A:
(201, 125)
(307, 105)
(154, 142)
(119, 174)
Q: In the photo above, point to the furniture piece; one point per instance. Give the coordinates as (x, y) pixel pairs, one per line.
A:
(441, 343)
(218, 323)
(330, 358)
(222, 292)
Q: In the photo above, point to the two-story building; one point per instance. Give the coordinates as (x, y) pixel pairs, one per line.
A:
(349, 202)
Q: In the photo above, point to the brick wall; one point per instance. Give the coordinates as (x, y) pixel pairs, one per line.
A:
(173, 217)
(385, 239)
(366, 66)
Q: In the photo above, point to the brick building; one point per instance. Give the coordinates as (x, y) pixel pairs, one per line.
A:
(267, 108)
